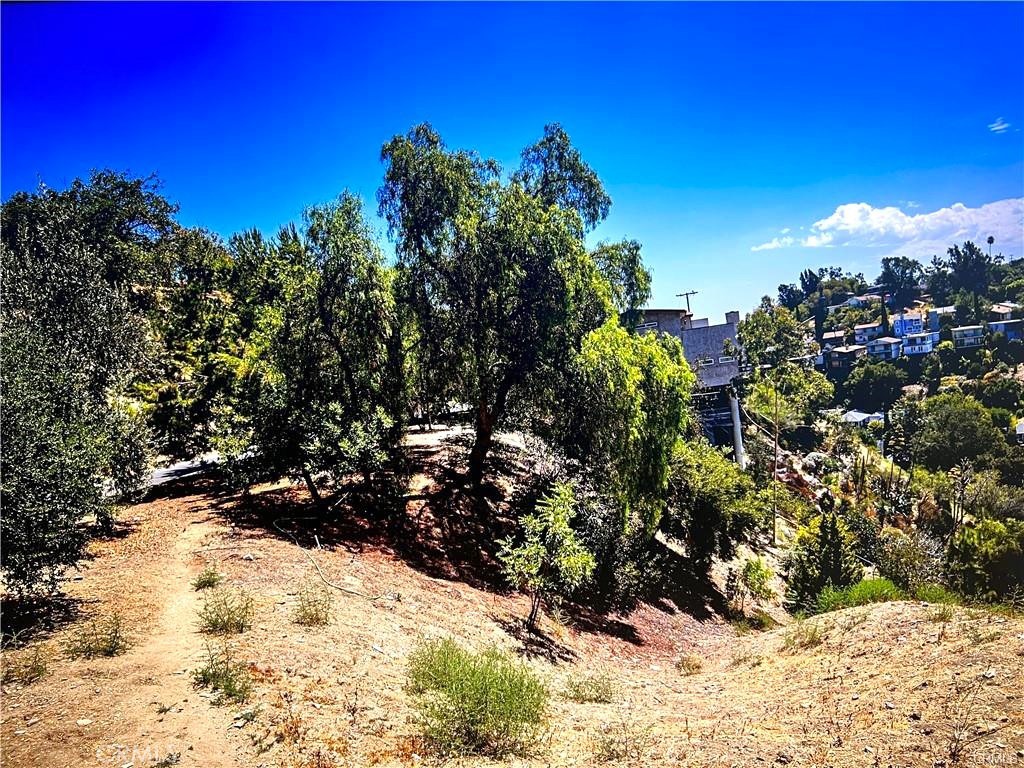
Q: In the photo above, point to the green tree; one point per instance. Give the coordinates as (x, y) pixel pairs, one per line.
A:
(497, 274)
(986, 560)
(875, 385)
(955, 427)
(616, 414)
(621, 265)
(319, 384)
(78, 268)
(822, 555)
(792, 392)
(770, 334)
(549, 560)
(712, 506)
(901, 275)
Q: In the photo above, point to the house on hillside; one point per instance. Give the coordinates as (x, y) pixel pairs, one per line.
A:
(864, 300)
(935, 315)
(906, 323)
(865, 332)
(920, 343)
(1003, 311)
(1019, 431)
(831, 339)
(859, 418)
(842, 359)
(885, 348)
(968, 336)
(1012, 329)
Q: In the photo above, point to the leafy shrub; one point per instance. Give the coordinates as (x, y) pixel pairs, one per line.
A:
(590, 689)
(226, 612)
(936, 593)
(822, 555)
(208, 579)
(228, 678)
(475, 703)
(862, 593)
(102, 637)
(758, 621)
(987, 560)
(550, 560)
(315, 605)
(909, 559)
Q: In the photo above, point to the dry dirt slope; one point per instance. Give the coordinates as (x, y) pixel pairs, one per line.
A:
(897, 684)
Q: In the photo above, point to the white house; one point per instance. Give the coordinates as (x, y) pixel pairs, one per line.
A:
(920, 343)
(935, 315)
(906, 323)
(861, 419)
(968, 336)
(865, 332)
(885, 348)
(863, 301)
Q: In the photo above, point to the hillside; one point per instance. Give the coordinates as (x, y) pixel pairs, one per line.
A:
(894, 684)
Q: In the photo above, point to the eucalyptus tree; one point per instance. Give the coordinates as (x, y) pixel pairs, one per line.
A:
(496, 272)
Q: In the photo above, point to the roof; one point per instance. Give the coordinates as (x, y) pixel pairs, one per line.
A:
(855, 416)
(849, 348)
(910, 313)
(943, 310)
(1006, 322)
(867, 325)
(885, 340)
(968, 328)
(834, 334)
(921, 335)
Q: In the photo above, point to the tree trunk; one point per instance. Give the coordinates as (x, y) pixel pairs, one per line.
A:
(482, 444)
(531, 621)
(317, 498)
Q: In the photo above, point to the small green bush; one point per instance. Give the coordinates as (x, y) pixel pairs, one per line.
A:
(936, 593)
(475, 703)
(590, 689)
(102, 637)
(862, 593)
(227, 678)
(226, 612)
(208, 579)
(315, 605)
(986, 561)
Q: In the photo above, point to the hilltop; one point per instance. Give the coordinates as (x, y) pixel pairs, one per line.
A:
(892, 684)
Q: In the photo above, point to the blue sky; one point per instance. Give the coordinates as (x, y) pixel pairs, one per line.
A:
(740, 142)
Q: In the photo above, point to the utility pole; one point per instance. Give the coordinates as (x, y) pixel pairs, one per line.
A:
(687, 294)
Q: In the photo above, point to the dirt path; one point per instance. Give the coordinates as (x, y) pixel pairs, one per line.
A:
(109, 711)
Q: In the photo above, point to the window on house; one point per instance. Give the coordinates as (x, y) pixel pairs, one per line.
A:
(706, 362)
(727, 359)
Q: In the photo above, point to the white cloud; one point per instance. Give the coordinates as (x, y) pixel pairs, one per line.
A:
(784, 231)
(775, 242)
(863, 225)
(999, 126)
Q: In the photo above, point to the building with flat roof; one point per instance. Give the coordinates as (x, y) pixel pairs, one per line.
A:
(842, 359)
(865, 332)
(1012, 329)
(885, 348)
(968, 336)
(920, 343)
